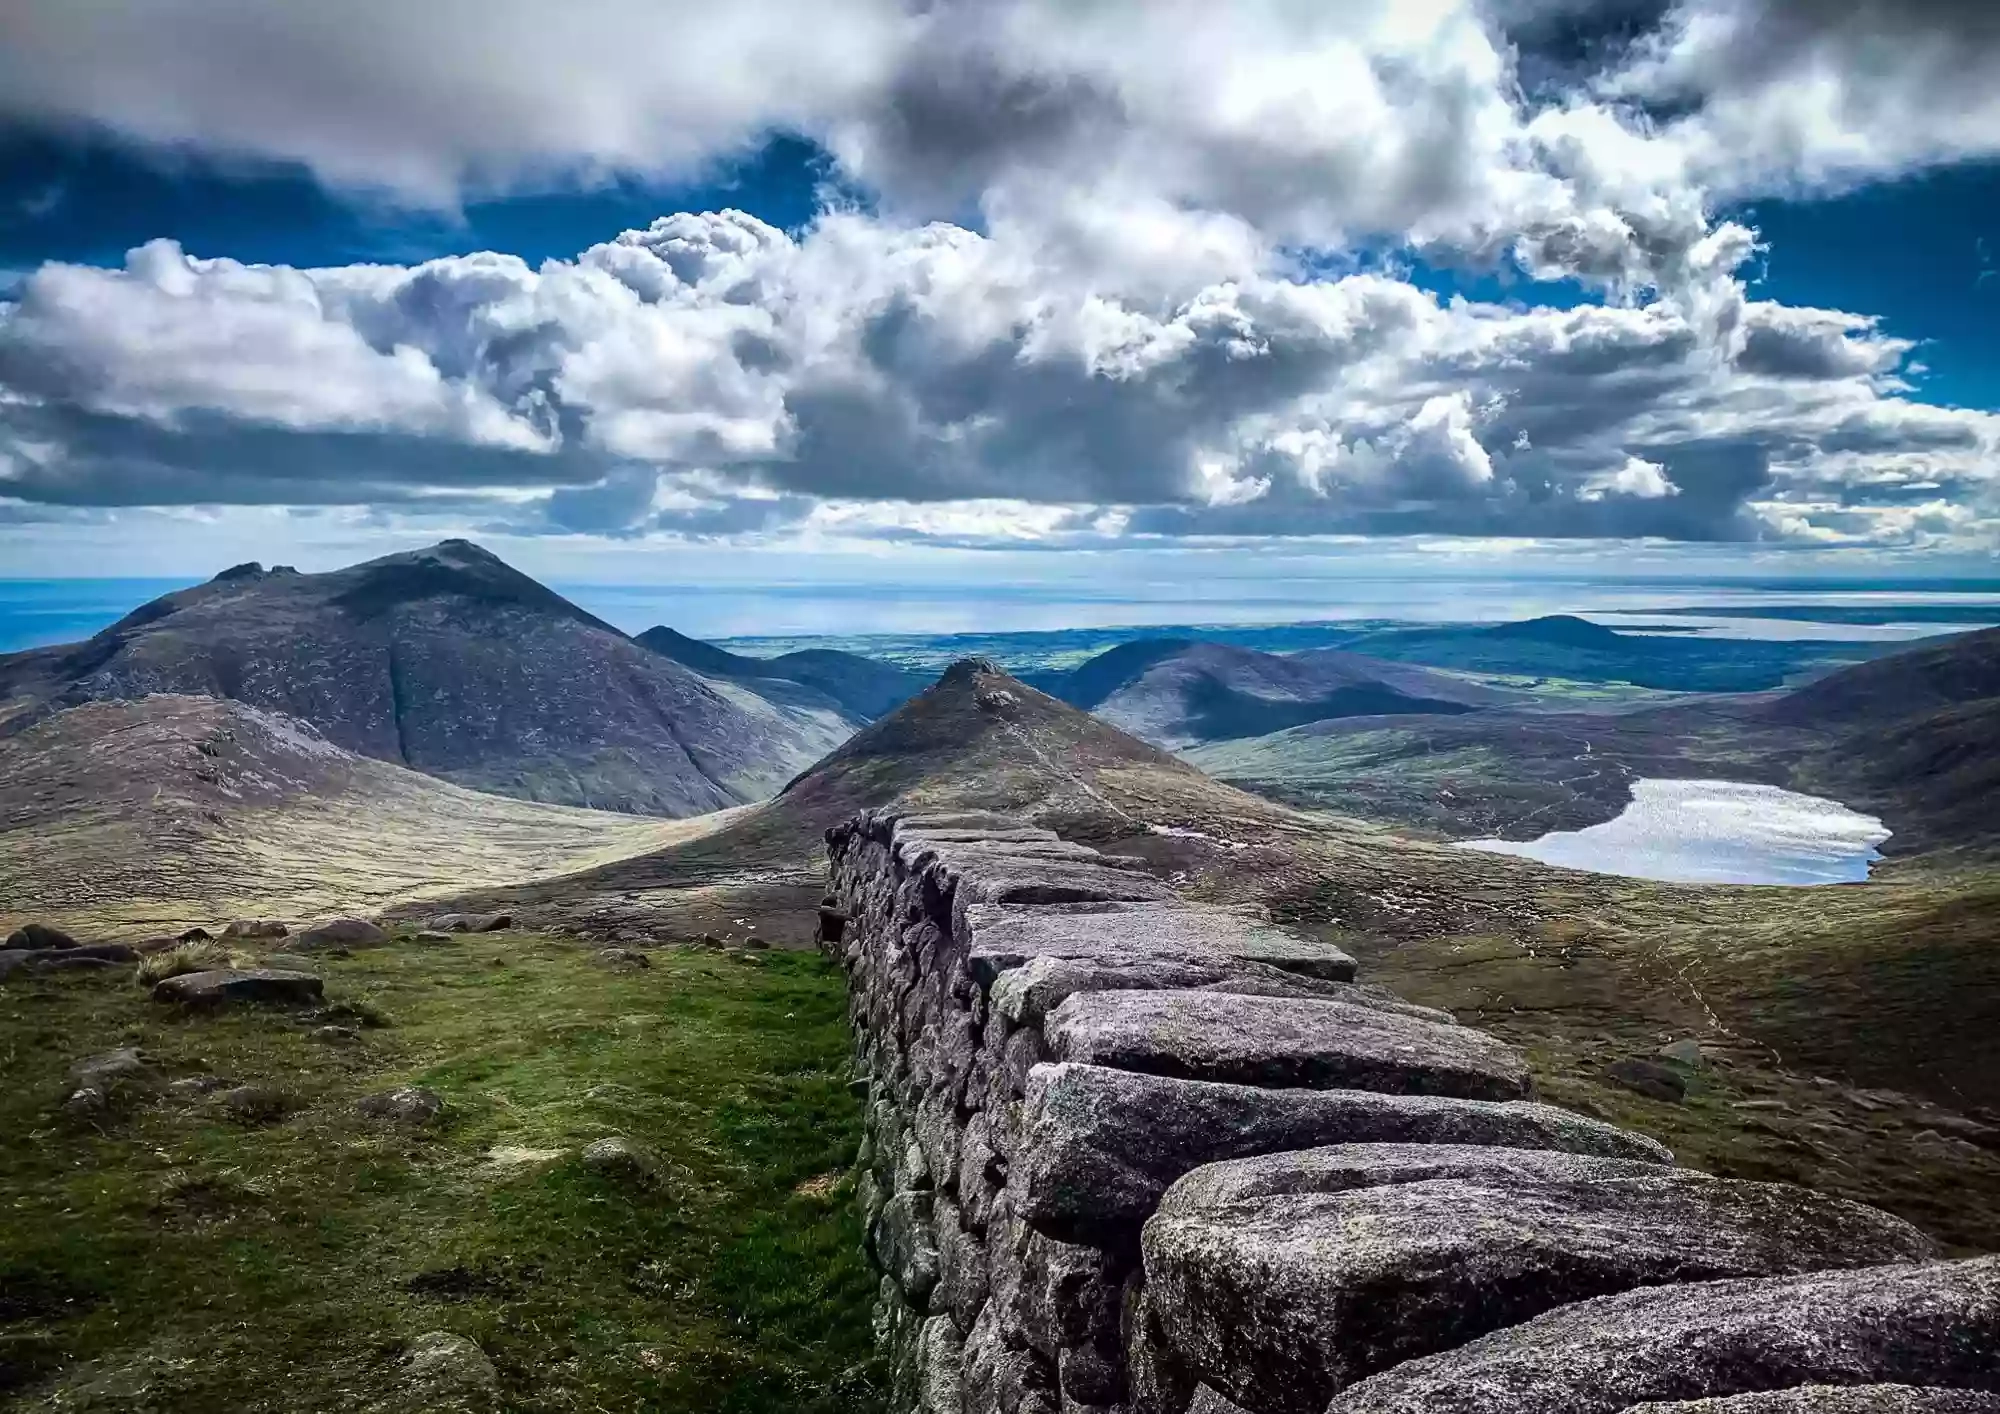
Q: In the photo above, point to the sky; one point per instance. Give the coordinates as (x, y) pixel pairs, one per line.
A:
(970, 290)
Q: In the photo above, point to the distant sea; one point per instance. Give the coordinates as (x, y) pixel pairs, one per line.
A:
(36, 612)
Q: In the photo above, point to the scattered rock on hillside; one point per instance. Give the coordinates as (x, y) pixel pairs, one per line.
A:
(470, 922)
(39, 937)
(128, 1063)
(619, 1158)
(257, 1104)
(444, 1363)
(256, 928)
(407, 1104)
(348, 1014)
(85, 957)
(340, 933)
(1648, 1078)
(268, 985)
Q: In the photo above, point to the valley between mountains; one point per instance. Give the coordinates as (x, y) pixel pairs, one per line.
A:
(637, 825)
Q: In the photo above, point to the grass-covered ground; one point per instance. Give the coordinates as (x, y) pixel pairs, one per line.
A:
(171, 1255)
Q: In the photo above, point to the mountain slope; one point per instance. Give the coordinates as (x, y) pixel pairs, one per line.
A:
(1950, 673)
(144, 817)
(448, 661)
(1911, 737)
(1176, 692)
(862, 687)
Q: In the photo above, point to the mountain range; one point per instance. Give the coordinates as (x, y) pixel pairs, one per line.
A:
(1176, 692)
(864, 687)
(450, 662)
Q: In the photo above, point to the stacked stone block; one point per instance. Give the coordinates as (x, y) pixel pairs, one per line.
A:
(1126, 1154)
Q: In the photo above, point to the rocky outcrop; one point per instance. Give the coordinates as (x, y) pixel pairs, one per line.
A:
(1129, 1155)
(264, 985)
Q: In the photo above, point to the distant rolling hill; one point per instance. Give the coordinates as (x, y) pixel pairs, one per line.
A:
(1915, 738)
(450, 662)
(1909, 737)
(1563, 646)
(1176, 692)
(863, 687)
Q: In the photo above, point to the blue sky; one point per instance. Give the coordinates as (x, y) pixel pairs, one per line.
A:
(1715, 279)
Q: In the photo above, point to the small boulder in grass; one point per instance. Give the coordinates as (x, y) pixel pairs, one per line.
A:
(38, 937)
(257, 1104)
(267, 986)
(256, 929)
(469, 923)
(619, 1158)
(339, 933)
(1649, 1078)
(447, 1365)
(407, 1104)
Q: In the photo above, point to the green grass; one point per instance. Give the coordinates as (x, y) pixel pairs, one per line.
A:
(167, 1257)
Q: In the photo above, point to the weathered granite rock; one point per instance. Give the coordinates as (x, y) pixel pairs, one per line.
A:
(996, 878)
(83, 957)
(257, 1104)
(1929, 1324)
(407, 1104)
(1142, 933)
(1283, 1041)
(339, 933)
(1338, 1168)
(1026, 994)
(444, 1364)
(38, 937)
(1649, 1078)
(618, 1158)
(1207, 1401)
(126, 1065)
(940, 1365)
(1281, 1300)
(962, 1278)
(1068, 1294)
(906, 1245)
(267, 985)
(1831, 1399)
(469, 922)
(1102, 1145)
(255, 928)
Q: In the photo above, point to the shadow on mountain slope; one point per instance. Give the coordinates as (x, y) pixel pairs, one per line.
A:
(448, 661)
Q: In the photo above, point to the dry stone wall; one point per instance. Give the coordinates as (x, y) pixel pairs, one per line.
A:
(1127, 1154)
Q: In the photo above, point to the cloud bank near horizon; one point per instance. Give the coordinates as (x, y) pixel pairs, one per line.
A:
(1128, 273)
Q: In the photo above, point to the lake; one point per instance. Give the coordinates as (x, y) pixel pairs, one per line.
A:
(1715, 832)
